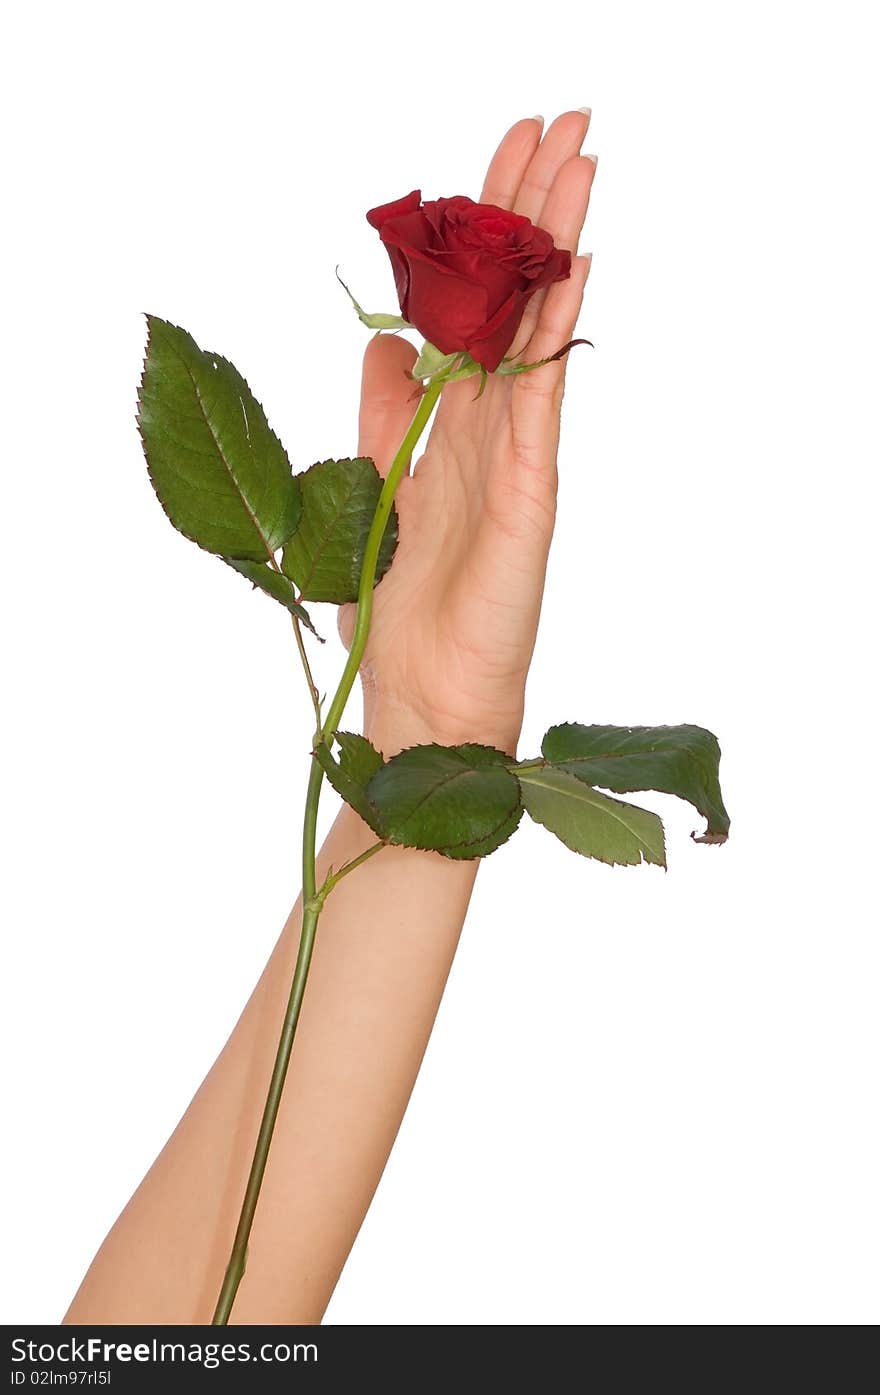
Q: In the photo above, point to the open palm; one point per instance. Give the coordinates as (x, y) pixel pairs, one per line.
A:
(455, 619)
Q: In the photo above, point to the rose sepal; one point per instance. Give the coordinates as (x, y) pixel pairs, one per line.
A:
(379, 320)
(432, 364)
(509, 366)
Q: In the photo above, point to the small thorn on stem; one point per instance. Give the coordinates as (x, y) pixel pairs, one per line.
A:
(560, 353)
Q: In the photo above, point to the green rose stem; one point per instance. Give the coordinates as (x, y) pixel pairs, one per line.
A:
(313, 897)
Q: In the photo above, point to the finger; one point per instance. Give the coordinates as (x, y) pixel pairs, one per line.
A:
(519, 500)
(537, 395)
(563, 139)
(387, 398)
(566, 208)
(563, 218)
(510, 162)
(559, 313)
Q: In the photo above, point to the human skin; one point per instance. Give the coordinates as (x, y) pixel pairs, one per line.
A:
(452, 636)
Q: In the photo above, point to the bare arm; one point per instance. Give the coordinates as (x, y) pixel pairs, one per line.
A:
(452, 637)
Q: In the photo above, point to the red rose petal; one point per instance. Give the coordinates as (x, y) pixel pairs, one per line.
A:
(377, 216)
(464, 271)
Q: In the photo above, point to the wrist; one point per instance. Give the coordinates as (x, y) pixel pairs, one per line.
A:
(392, 726)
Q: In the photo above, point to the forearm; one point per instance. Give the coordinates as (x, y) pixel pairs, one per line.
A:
(385, 943)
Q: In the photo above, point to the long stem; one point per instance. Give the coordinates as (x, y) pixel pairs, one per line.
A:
(371, 557)
(312, 899)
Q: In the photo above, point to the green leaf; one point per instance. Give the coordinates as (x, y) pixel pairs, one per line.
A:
(589, 822)
(674, 760)
(358, 757)
(325, 554)
(484, 846)
(358, 762)
(221, 474)
(279, 587)
(461, 801)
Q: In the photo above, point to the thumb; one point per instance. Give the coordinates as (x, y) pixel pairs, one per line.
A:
(388, 398)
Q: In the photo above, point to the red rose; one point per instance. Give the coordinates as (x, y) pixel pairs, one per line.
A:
(464, 271)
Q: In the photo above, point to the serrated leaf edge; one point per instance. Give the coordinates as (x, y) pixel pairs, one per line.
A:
(710, 835)
(392, 527)
(158, 320)
(293, 607)
(612, 799)
(452, 854)
(363, 807)
(450, 850)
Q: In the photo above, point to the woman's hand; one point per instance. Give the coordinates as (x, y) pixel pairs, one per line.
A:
(453, 629)
(455, 619)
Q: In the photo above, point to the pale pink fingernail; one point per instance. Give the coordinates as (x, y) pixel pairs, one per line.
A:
(585, 111)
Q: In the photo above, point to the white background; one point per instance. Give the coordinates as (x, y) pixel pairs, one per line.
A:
(649, 1098)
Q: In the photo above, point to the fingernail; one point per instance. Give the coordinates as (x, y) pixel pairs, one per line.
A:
(539, 119)
(594, 160)
(586, 111)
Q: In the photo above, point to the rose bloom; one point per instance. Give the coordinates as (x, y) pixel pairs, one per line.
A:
(464, 271)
